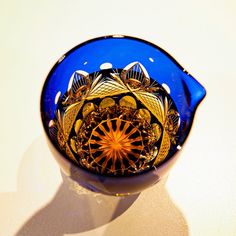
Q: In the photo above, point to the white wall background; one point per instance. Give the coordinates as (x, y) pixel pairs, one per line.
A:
(201, 35)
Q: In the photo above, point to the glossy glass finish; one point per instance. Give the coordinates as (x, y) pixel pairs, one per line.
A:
(121, 54)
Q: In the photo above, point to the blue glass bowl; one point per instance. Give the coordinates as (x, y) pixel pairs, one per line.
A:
(113, 53)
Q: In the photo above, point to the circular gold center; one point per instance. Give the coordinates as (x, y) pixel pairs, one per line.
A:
(116, 140)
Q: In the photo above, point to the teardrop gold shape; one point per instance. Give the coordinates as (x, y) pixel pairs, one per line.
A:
(73, 145)
(77, 126)
(88, 108)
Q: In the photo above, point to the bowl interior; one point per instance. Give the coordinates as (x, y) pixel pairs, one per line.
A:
(116, 52)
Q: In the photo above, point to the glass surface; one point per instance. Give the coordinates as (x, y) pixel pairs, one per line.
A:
(118, 106)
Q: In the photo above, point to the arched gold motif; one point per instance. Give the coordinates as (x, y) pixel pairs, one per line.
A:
(128, 101)
(107, 102)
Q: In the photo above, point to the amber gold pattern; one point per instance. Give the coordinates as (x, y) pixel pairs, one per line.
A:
(128, 101)
(115, 143)
(164, 149)
(107, 102)
(69, 117)
(115, 122)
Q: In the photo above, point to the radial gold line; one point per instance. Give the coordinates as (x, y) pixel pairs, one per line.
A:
(106, 133)
(102, 142)
(136, 147)
(130, 161)
(118, 135)
(93, 141)
(132, 132)
(109, 124)
(136, 139)
(102, 148)
(114, 161)
(118, 124)
(121, 160)
(125, 128)
(136, 155)
(104, 164)
(95, 133)
(97, 159)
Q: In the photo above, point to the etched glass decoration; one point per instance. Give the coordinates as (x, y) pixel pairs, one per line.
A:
(118, 106)
(115, 122)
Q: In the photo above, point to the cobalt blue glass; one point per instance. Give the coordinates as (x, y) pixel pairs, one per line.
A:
(116, 111)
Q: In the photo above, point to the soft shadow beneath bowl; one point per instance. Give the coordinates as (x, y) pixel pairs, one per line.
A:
(73, 209)
(40, 208)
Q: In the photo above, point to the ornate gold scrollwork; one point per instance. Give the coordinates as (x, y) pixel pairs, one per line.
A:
(131, 128)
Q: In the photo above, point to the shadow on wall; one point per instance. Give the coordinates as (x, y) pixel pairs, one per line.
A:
(70, 212)
(74, 209)
(155, 214)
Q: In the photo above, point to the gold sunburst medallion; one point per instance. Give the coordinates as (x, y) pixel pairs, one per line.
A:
(116, 140)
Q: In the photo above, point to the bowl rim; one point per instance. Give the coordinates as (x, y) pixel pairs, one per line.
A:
(45, 127)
